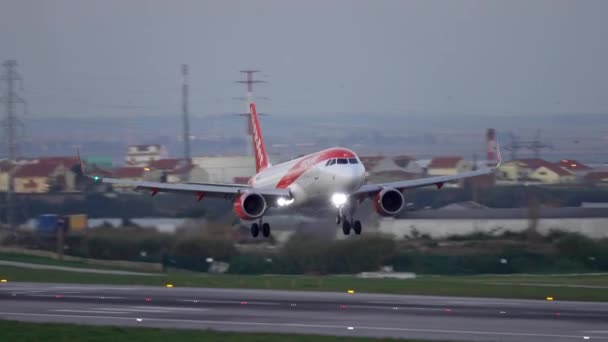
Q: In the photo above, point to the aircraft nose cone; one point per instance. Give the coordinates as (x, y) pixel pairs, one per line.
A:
(350, 179)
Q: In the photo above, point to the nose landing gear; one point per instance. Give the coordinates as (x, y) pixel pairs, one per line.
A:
(348, 223)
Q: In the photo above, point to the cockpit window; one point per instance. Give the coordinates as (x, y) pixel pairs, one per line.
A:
(330, 162)
(353, 161)
(342, 161)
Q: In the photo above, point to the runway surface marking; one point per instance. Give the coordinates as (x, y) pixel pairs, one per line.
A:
(208, 301)
(91, 311)
(315, 326)
(153, 309)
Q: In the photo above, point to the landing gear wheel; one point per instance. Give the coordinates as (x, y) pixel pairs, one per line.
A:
(266, 230)
(255, 230)
(346, 227)
(357, 227)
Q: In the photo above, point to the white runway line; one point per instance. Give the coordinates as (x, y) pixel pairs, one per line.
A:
(312, 326)
(90, 311)
(225, 302)
(169, 308)
(135, 310)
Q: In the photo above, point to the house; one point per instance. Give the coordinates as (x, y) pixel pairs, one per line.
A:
(43, 177)
(135, 173)
(577, 168)
(520, 169)
(552, 174)
(142, 155)
(175, 170)
(226, 169)
(448, 165)
(573, 165)
(386, 169)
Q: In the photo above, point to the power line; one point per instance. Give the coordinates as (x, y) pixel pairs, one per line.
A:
(249, 81)
(11, 123)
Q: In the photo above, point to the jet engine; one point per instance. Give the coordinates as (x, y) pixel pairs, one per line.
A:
(249, 206)
(389, 202)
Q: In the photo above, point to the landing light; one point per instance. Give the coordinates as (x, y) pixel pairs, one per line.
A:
(283, 202)
(338, 199)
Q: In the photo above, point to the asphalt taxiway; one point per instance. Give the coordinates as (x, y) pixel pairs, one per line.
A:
(357, 314)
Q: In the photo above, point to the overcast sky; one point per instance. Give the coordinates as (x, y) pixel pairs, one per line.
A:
(120, 57)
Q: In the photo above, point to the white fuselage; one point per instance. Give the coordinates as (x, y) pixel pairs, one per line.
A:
(315, 176)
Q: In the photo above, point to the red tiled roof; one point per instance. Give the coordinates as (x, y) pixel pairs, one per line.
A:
(572, 164)
(65, 161)
(181, 169)
(444, 162)
(98, 171)
(36, 170)
(557, 169)
(165, 164)
(129, 172)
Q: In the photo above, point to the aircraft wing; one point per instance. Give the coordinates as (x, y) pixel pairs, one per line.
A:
(199, 189)
(417, 183)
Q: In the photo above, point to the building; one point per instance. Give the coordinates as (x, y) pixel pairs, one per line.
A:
(226, 169)
(578, 169)
(552, 174)
(540, 170)
(448, 165)
(573, 166)
(386, 169)
(134, 173)
(175, 170)
(142, 155)
(43, 177)
(520, 169)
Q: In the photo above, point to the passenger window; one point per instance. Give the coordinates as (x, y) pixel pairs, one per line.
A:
(353, 161)
(342, 161)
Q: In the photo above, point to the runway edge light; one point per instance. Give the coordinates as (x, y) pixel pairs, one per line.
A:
(350, 291)
(549, 298)
(169, 285)
(3, 280)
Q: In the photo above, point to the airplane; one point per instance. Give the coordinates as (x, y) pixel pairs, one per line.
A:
(335, 176)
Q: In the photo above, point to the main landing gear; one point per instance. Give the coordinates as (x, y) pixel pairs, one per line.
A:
(261, 226)
(348, 224)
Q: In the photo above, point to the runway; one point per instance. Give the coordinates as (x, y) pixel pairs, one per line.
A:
(423, 317)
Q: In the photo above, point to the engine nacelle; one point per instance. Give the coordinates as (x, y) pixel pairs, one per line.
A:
(389, 202)
(249, 206)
